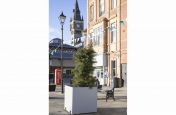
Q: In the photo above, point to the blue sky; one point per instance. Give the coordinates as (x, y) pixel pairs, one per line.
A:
(55, 9)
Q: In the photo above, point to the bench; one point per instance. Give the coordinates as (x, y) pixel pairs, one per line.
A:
(110, 93)
(110, 90)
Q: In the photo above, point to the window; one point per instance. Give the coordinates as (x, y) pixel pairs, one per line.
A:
(101, 74)
(113, 65)
(90, 36)
(101, 7)
(113, 32)
(97, 35)
(68, 72)
(101, 34)
(94, 36)
(98, 74)
(113, 4)
(91, 12)
(50, 62)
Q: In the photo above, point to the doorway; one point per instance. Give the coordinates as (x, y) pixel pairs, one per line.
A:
(124, 74)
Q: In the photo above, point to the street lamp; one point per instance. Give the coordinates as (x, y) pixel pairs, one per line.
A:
(62, 18)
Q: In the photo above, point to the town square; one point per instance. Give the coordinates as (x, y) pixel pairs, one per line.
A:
(87, 57)
(97, 26)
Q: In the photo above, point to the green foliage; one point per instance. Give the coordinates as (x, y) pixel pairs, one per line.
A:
(83, 71)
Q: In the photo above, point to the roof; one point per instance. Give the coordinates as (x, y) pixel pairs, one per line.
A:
(56, 43)
(66, 55)
(55, 40)
(55, 52)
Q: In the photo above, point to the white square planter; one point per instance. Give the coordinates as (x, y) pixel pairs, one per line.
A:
(80, 99)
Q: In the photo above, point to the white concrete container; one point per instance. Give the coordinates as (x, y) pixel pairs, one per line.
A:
(80, 99)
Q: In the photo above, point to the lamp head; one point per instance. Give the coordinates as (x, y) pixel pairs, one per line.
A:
(62, 18)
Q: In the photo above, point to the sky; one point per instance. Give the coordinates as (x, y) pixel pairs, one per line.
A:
(55, 9)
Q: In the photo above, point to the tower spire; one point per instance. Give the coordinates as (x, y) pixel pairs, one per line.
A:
(77, 11)
(76, 24)
(76, 6)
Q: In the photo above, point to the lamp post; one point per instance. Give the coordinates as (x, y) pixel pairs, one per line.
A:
(62, 18)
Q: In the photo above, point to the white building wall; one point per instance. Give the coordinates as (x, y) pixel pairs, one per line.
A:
(100, 59)
(100, 65)
(66, 63)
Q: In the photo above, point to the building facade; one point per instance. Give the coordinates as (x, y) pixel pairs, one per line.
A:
(82, 40)
(107, 32)
(76, 25)
(55, 57)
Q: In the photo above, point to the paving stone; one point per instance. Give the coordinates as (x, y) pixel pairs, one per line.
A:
(117, 107)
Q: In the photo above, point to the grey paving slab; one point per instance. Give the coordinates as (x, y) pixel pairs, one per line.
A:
(117, 107)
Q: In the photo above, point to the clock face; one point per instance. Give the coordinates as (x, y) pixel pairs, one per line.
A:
(77, 25)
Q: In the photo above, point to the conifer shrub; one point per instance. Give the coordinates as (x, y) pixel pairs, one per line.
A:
(83, 71)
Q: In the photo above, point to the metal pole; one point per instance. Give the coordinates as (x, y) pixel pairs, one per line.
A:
(62, 60)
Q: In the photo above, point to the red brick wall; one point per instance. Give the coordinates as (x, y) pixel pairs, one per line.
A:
(123, 31)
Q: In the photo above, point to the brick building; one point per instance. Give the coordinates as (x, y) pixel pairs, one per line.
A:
(107, 32)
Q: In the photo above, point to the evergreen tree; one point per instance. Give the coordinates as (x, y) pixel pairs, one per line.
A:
(83, 71)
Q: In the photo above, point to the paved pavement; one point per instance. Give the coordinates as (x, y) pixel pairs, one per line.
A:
(117, 107)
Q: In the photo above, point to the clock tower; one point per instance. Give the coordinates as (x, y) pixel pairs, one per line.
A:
(76, 25)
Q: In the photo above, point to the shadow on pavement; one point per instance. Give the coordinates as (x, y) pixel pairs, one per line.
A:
(116, 98)
(56, 97)
(101, 111)
(120, 97)
(108, 111)
(111, 111)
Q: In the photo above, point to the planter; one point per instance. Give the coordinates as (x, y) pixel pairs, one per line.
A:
(80, 99)
(52, 87)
